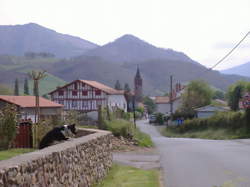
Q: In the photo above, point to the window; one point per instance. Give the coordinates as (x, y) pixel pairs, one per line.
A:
(74, 93)
(98, 92)
(83, 84)
(60, 93)
(61, 102)
(99, 102)
(85, 104)
(85, 93)
(74, 103)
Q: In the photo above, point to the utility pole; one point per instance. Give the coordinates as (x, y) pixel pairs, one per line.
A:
(134, 111)
(171, 96)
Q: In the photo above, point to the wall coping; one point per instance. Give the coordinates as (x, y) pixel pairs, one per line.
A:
(35, 155)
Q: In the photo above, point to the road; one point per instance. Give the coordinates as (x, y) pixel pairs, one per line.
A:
(201, 163)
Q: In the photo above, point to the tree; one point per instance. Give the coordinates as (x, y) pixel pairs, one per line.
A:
(16, 89)
(26, 87)
(8, 124)
(234, 94)
(149, 103)
(118, 85)
(197, 94)
(127, 88)
(218, 95)
(37, 76)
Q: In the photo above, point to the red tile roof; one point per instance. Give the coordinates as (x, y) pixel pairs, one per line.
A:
(28, 101)
(161, 99)
(103, 87)
(95, 84)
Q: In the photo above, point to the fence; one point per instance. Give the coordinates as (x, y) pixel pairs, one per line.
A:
(24, 135)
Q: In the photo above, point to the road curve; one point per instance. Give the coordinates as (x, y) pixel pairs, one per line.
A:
(201, 163)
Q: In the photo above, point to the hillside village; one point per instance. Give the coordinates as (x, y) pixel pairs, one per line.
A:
(89, 102)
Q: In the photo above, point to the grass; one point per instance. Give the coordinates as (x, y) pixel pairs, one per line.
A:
(120, 127)
(126, 176)
(144, 140)
(6, 154)
(208, 133)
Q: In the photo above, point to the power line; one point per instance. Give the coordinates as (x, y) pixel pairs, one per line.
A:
(223, 58)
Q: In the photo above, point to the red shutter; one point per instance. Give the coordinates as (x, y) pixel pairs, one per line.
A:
(98, 92)
(74, 93)
(85, 93)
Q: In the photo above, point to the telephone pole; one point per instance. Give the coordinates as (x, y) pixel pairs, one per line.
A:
(171, 96)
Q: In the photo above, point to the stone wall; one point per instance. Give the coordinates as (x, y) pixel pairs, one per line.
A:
(77, 162)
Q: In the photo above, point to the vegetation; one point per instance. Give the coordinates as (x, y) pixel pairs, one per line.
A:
(118, 85)
(16, 88)
(6, 154)
(8, 122)
(218, 94)
(26, 87)
(120, 127)
(4, 90)
(224, 125)
(197, 94)
(131, 177)
(149, 103)
(127, 88)
(235, 93)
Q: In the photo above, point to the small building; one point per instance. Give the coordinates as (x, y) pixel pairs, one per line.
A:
(87, 95)
(163, 104)
(26, 106)
(209, 110)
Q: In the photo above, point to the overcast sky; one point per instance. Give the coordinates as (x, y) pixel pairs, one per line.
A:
(203, 29)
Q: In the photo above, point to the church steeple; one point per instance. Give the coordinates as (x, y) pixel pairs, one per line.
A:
(138, 85)
(138, 75)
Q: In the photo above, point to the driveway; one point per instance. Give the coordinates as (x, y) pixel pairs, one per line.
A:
(201, 163)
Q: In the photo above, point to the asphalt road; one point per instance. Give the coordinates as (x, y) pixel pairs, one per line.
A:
(201, 163)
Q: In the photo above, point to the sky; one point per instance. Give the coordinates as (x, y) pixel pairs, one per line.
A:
(205, 30)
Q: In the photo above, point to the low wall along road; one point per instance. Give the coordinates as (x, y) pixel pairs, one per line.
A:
(78, 162)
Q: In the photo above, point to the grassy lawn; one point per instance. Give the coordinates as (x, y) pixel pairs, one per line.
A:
(126, 176)
(13, 152)
(209, 133)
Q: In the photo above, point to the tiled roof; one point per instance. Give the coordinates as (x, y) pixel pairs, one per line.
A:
(161, 99)
(28, 101)
(164, 99)
(103, 87)
(95, 84)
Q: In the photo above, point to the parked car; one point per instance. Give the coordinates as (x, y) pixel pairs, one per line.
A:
(152, 118)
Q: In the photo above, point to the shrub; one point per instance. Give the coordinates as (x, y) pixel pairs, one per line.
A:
(120, 128)
(229, 120)
(8, 122)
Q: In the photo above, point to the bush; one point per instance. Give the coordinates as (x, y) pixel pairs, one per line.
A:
(228, 120)
(159, 118)
(120, 128)
(8, 122)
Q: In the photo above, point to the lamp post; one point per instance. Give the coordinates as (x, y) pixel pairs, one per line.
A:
(134, 111)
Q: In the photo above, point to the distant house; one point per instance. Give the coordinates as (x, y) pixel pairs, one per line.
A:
(87, 95)
(26, 106)
(163, 102)
(209, 110)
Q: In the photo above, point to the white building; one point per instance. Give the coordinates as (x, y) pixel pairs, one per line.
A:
(86, 96)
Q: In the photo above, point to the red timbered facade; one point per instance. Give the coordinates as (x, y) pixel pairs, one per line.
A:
(84, 95)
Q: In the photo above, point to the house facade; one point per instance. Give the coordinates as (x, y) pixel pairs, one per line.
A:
(26, 106)
(163, 103)
(86, 96)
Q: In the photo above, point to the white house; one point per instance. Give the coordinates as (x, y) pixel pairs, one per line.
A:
(209, 110)
(163, 102)
(87, 95)
(26, 106)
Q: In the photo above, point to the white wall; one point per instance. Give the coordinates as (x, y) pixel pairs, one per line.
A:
(117, 101)
(165, 107)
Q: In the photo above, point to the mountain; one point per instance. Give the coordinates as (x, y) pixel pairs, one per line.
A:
(19, 39)
(243, 70)
(129, 48)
